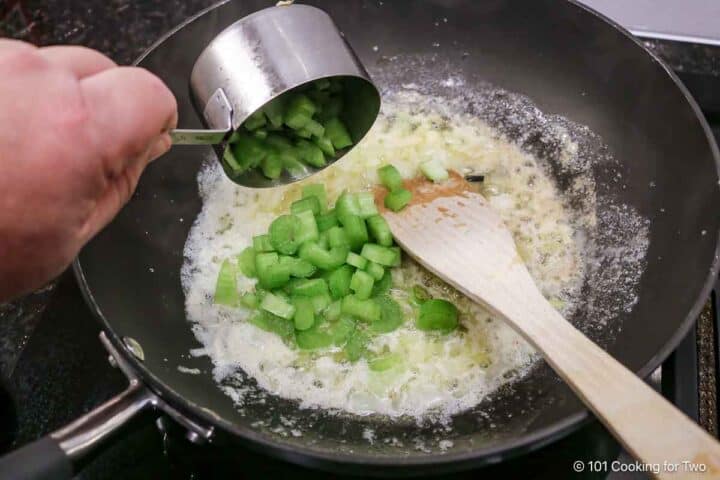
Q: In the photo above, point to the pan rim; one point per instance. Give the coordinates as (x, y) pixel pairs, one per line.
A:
(447, 461)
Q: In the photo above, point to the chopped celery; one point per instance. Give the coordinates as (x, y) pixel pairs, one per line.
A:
(313, 339)
(375, 270)
(249, 151)
(261, 134)
(336, 131)
(249, 300)
(256, 120)
(315, 129)
(356, 345)
(339, 281)
(391, 315)
(434, 170)
(383, 285)
(307, 230)
(284, 233)
(309, 203)
(272, 323)
(356, 231)
(232, 162)
(398, 199)
(279, 143)
(383, 255)
(346, 206)
(310, 287)
(321, 258)
(304, 317)
(342, 330)
(226, 292)
(398, 256)
(262, 243)
(323, 240)
(320, 302)
(274, 112)
(437, 314)
(316, 190)
(332, 312)
(311, 153)
(366, 205)
(322, 84)
(367, 310)
(327, 221)
(271, 273)
(420, 295)
(380, 230)
(361, 283)
(390, 177)
(301, 104)
(246, 262)
(277, 306)
(337, 237)
(272, 165)
(326, 146)
(385, 362)
(298, 267)
(356, 261)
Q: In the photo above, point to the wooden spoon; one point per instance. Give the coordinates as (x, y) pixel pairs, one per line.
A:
(455, 234)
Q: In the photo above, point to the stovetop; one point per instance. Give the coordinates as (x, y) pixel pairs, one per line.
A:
(55, 369)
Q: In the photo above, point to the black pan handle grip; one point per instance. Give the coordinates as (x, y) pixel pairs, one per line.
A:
(53, 457)
(42, 459)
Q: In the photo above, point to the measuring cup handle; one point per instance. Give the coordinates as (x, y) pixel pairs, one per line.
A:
(197, 137)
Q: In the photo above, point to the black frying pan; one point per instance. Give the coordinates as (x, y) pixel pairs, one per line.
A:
(569, 61)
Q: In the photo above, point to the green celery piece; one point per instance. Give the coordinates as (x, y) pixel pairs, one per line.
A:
(321, 302)
(296, 121)
(323, 240)
(383, 285)
(304, 317)
(249, 151)
(321, 258)
(277, 306)
(332, 108)
(307, 230)
(339, 281)
(232, 162)
(385, 362)
(226, 292)
(356, 232)
(356, 346)
(327, 221)
(304, 132)
(390, 177)
(316, 190)
(383, 255)
(256, 120)
(261, 243)
(380, 230)
(366, 205)
(434, 171)
(272, 165)
(313, 339)
(308, 203)
(311, 154)
(249, 300)
(234, 137)
(325, 144)
(301, 104)
(362, 284)
(366, 310)
(260, 134)
(398, 199)
(284, 233)
(310, 287)
(336, 131)
(342, 330)
(391, 315)
(271, 274)
(398, 256)
(246, 262)
(291, 162)
(298, 267)
(315, 129)
(278, 142)
(322, 84)
(437, 314)
(375, 270)
(332, 312)
(346, 206)
(272, 323)
(274, 111)
(356, 261)
(337, 237)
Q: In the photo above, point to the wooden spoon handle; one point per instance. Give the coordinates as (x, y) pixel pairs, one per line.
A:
(653, 430)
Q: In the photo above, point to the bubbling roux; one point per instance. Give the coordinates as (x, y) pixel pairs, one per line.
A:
(438, 374)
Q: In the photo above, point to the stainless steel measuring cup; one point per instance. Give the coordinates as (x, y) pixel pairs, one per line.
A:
(264, 55)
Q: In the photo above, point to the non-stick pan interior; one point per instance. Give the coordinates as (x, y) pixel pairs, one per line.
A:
(648, 152)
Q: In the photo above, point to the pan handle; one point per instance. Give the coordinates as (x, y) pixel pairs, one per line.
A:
(54, 457)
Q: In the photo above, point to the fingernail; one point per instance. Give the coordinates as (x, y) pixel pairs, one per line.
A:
(161, 145)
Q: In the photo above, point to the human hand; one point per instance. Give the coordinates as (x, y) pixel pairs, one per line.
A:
(76, 132)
